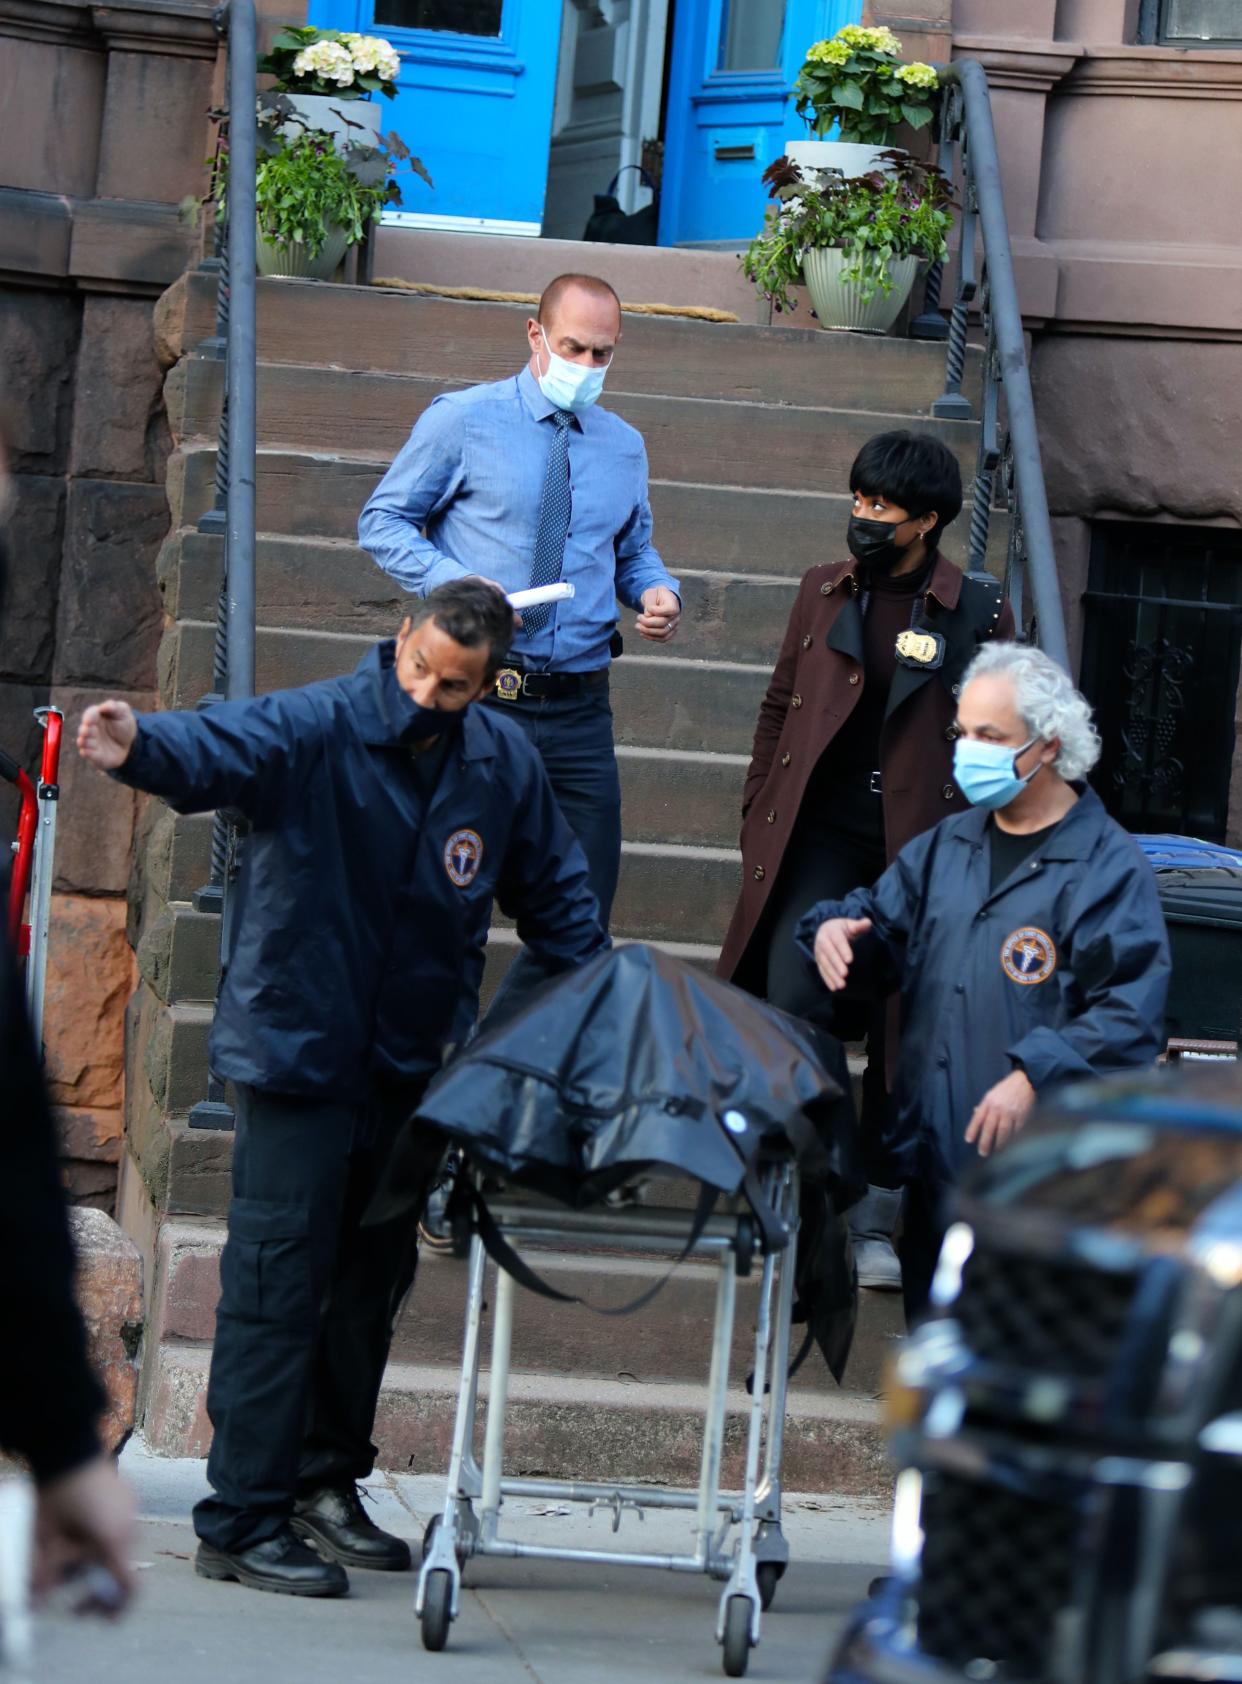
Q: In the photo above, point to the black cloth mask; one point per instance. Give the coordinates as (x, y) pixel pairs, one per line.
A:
(871, 544)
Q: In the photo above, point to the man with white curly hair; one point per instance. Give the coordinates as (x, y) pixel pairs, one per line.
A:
(1026, 938)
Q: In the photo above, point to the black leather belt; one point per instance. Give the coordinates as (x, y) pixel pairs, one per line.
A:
(517, 684)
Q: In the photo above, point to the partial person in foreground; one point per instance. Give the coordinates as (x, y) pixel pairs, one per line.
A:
(1026, 938)
(386, 813)
(51, 1401)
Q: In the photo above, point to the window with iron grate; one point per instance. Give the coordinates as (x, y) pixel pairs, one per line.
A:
(1162, 637)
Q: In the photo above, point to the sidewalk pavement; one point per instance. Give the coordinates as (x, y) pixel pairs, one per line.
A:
(520, 1622)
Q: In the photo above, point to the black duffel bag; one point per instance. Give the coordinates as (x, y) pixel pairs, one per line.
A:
(610, 225)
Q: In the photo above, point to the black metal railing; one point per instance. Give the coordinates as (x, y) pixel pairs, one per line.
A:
(1009, 459)
(233, 511)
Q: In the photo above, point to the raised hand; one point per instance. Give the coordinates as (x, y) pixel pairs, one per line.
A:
(834, 949)
(106, 734)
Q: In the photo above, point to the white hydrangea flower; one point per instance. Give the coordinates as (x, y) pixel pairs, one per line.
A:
(327, 59)
(365, 52)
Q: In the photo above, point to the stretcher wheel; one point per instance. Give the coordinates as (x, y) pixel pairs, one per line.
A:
(737, 1636)
(437, 1599)
(768, 1573)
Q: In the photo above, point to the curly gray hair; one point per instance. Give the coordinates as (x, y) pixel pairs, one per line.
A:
(1047, 701)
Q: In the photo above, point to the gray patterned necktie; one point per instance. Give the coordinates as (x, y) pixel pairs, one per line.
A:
(553, 527)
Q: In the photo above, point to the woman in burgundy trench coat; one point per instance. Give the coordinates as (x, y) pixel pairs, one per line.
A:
(853, 750)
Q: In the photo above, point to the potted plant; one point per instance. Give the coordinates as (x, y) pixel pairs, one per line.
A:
(319, 69)
(857, 242)
(857, 83)
(312, 200)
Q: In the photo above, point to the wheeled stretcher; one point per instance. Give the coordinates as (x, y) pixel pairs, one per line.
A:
(737, 1535)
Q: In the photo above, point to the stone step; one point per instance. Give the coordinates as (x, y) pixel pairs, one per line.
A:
(614, 1430)
(511, 263)
(659, 701)
(383, 331)
(681, 795)
(665, 1340)
(334, 586)
(732, 528)
(780, 446)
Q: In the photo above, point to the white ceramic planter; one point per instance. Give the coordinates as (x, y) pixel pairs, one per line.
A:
(839, 303)
(330, 114)
(851, 157)
(291, 260)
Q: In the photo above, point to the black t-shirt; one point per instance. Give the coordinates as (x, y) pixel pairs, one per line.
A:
(1007, 849)
(427, 764)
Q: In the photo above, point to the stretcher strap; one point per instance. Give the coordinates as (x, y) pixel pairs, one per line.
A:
(774, 1231)
(505, 1257)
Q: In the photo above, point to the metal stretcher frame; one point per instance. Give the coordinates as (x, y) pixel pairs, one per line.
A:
(752, 1561)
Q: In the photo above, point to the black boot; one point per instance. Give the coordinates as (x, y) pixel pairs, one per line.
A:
(336, 1523)
(871, 1222)
(282, 1564)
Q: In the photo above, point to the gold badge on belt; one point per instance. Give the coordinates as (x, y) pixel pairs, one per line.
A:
(508, 684)
(920, 648)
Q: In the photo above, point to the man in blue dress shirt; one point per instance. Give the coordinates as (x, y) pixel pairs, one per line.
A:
(525, 481)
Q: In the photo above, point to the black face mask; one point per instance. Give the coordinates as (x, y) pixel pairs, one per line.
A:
(871, 544)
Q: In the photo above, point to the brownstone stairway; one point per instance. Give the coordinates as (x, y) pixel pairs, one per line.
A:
(750, 433)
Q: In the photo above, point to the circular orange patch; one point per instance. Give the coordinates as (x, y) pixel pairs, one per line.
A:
(1028, 956)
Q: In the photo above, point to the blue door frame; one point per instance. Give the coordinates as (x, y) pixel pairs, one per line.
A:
(723, 128)
(476, 109)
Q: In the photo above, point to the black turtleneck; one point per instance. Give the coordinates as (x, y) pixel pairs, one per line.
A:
(889, 603)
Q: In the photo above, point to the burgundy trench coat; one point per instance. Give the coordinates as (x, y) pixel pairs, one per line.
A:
(815, 685)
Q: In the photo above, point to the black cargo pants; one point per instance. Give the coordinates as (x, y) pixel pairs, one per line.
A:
(308, 1299)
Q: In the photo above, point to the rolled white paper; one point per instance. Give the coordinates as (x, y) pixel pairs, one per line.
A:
(558, 592)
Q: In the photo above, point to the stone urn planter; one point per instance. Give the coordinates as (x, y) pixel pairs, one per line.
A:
(291, 261)
(851, 157)
(350, 122)
(839, 303)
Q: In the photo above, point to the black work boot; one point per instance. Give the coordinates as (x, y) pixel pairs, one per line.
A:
(872, 1221)
(336, 1523)
(282, 1564)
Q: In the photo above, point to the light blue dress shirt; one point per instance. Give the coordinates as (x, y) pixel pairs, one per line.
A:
(463, 497)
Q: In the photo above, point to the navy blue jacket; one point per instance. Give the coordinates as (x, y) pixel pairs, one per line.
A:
(361, 918)
(1062, 972)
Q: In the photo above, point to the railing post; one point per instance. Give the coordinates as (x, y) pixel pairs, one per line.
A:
(967, 113)
(929, 323)
(233, 664)
(1011, 357)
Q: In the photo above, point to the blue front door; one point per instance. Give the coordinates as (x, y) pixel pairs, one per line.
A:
(732, 68)
(474, 102)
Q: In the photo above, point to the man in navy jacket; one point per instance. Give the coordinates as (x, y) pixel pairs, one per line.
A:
(1026, 938)
(385, 814)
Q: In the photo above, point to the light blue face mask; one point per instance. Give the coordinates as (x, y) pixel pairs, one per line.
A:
(570, 385)
(986, 773)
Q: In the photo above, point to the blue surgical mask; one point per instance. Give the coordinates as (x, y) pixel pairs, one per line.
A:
(987, 773)
(570, 385)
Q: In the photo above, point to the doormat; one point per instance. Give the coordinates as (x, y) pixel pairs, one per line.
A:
(482, 295)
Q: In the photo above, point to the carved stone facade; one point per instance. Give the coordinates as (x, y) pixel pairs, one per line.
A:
(105, 133)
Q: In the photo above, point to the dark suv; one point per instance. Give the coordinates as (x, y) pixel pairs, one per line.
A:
(1068, 1424)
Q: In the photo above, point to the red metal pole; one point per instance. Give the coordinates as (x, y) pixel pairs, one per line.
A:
(23, 860)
